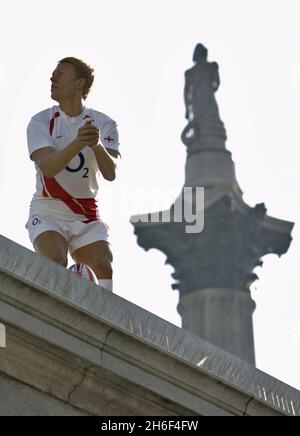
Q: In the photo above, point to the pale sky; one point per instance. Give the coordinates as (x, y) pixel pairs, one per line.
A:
(140, 51)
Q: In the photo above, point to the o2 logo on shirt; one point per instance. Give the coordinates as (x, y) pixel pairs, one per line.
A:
(36, 221)
(80, 166)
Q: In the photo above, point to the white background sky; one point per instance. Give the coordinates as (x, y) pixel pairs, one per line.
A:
(140, 50)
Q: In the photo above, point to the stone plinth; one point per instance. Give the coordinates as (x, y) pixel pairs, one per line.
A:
(74, 348)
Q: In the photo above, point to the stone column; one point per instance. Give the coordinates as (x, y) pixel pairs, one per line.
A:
(214, 268)
(223, 317)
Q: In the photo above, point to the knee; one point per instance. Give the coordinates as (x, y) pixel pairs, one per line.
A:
(103, 269)
(52, 246)
(63, 262)
(56, 257)
(60, 260)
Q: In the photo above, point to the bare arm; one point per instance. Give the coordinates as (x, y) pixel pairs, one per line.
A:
(106, 164)
(51, 161)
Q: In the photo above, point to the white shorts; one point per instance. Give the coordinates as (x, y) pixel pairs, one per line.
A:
(76, 233)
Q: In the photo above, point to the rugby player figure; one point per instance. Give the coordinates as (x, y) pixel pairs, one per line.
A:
(71, 145)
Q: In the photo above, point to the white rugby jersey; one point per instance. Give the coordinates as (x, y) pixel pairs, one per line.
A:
(72, 193)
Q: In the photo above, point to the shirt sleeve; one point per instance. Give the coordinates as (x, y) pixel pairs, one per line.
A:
(38, 136)
(109, 136)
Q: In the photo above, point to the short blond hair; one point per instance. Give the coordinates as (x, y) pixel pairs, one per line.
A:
(83, 71)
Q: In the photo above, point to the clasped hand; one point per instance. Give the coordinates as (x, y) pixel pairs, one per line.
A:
(88, 135)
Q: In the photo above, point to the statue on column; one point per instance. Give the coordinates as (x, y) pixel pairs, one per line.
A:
(202, 112)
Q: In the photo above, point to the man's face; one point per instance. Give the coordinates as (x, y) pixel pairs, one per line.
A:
(64, 82)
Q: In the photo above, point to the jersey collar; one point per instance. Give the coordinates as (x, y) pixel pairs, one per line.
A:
(73, 120)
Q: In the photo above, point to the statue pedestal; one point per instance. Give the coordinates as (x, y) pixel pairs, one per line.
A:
(222, 317)
(209, 167)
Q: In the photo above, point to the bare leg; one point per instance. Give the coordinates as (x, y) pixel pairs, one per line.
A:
(98, 257)
(52, 245)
